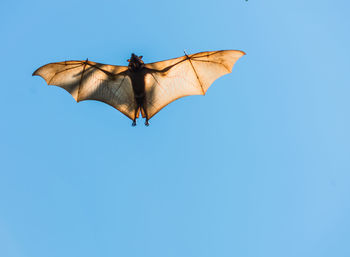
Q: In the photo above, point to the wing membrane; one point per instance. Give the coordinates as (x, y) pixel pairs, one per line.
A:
(193, 74)
(86, 80)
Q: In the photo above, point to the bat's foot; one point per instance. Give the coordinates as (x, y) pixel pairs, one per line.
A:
(146, 123)
(133, 123)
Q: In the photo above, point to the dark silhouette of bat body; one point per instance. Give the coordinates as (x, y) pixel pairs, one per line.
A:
(139, 87)
(137, 75)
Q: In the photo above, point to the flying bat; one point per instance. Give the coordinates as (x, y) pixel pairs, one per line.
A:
(139, 87)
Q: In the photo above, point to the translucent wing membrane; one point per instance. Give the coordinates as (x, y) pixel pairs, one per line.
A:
(86, 80)
(193, 74)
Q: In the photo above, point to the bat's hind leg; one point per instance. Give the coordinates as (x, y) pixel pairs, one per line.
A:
(135, 117)
(145, 114)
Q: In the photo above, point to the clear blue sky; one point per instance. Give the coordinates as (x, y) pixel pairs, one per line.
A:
(258, 167)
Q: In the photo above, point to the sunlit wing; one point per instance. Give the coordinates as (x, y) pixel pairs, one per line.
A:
(86, 80)
(193, 74)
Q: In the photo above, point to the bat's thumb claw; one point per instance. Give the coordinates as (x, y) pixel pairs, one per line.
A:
(146, 123)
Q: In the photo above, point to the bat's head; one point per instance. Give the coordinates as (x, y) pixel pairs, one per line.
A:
(135, 62)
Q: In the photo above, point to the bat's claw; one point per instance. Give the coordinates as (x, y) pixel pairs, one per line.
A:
(133, 123)
(146, 123)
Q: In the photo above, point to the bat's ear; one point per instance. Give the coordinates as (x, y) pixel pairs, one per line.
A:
(140, 56)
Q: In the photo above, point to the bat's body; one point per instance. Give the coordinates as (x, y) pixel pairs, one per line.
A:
(137, 73)
(140, 87)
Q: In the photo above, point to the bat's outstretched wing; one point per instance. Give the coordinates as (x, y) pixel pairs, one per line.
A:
(192, 74)
(86, 80)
